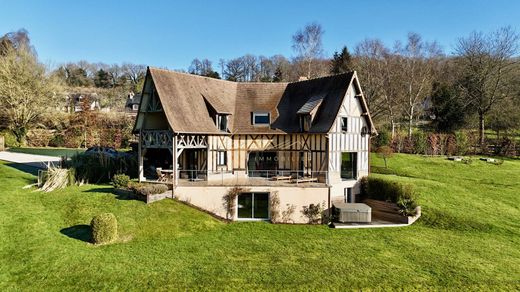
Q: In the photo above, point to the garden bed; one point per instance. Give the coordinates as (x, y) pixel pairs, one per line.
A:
(387, 211)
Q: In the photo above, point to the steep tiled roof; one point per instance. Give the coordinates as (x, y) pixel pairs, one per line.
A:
(185, 97)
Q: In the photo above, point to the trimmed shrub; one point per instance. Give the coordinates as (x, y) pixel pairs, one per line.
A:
(120, 181)
(148, 189)
(104, 228)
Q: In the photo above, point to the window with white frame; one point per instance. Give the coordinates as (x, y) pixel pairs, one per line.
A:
(261, 118)
(221, 158)
(344, 124)
(222, 122)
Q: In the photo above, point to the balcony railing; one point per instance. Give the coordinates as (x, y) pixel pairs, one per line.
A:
(253, 178)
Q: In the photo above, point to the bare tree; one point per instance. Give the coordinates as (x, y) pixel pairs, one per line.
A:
(16, 40)
(307, 44)
(133, 72)
(487, 62)
(415, 69)
(250, 67)
(376, 68)
(234, 70)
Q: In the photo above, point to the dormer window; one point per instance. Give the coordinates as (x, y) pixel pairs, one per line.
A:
(305, 122)
(222, 122)
(261, 118)
(344, 124)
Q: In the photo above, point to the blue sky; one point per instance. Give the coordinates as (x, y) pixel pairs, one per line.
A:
(172, 33)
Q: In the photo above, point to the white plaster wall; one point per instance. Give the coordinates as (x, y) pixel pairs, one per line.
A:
(211, 198)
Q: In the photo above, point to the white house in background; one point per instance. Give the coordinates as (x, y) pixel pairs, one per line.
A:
(306, 142)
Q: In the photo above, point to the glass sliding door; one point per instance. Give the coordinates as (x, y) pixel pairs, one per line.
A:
(245, 205)
(253, 206)
(349, 165)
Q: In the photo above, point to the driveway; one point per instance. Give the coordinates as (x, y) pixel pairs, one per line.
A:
(38, 161)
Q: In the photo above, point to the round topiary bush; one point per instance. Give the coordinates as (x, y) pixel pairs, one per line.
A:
(104, 228)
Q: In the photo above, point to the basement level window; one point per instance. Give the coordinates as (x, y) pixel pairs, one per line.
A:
(261, 118)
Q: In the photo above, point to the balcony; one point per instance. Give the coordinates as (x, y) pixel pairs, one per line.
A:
(287, 178)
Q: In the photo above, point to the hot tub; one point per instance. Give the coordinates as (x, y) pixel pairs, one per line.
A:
(353, 212)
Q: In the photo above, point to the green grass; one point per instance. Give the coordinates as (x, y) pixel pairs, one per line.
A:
(468, 238)
(47, 151)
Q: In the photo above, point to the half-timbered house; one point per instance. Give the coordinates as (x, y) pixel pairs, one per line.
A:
(307, 141)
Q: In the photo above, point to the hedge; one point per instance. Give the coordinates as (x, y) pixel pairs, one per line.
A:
(385, 190)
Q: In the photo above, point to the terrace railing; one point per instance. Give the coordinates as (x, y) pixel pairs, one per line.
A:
(253, 178)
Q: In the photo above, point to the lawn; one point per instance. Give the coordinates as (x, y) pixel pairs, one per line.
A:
(468, 238)
(47, 151)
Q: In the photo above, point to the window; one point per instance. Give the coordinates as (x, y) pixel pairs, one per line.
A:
(349, 165)
(261, 118)
(221, 158)
(222, 122)
(344, 124)
(135, 107)
(305, 123)
(253, 206)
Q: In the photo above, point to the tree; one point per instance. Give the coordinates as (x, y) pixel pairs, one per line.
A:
(278, 75)
(341, 62)
(447, 109)
(234, 70)
(487, 62)
(26, 91)
(203, 68)
(134, 73)
(103, 79)
(385, 152)
(307, 44)
(415, 73)
(377, 69)
(16, 40)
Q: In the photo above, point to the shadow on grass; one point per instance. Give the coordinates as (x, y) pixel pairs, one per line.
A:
(24, 167)
(80, 232)
(119, 194)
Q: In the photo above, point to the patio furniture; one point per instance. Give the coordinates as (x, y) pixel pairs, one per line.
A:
(167, 174)
(160, 176)
(305, 180)
(353, 212)
(281, 177)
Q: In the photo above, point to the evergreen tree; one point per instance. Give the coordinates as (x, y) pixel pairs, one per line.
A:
(278, 75)
(447, 109)
(102, 79)
(341, 62)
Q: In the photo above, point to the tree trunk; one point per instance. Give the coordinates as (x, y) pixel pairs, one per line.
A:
(481, 129)
(393, 128)
(410, 123)
(410, 126)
